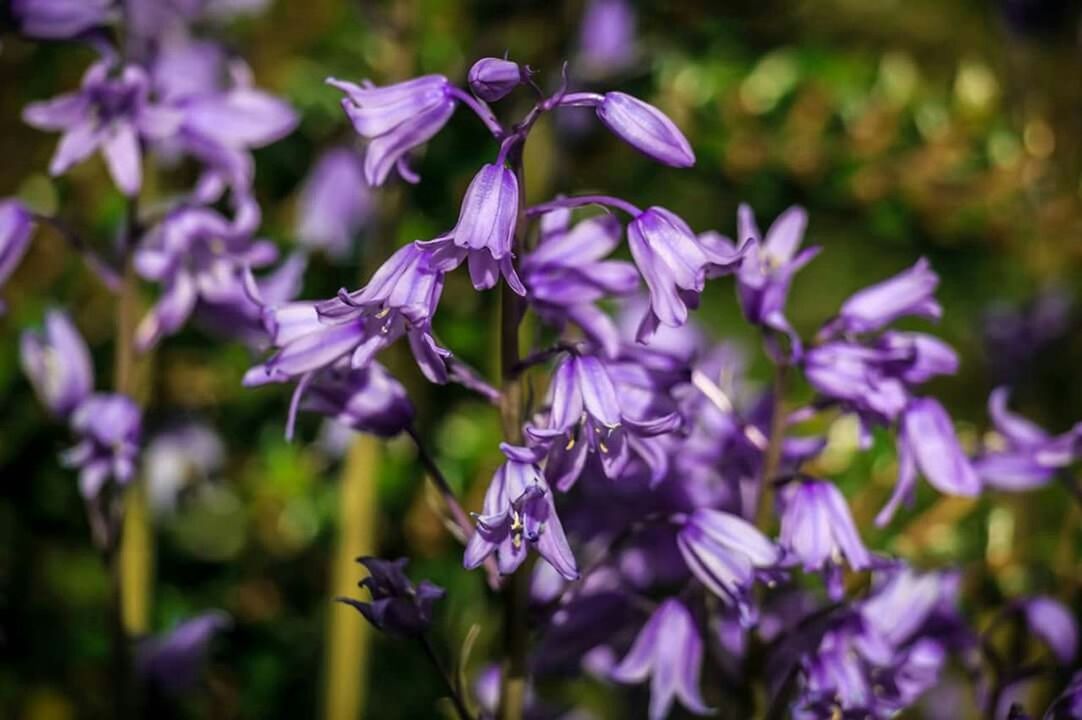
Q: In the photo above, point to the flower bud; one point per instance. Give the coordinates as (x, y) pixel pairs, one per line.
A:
(491, 79)
(398, 607)
(645, 128)
(57, 363)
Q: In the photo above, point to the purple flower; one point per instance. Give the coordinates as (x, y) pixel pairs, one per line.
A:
(855, 375)
(174, 660)
(519, 513)
(668, 650)
(398, 607)
(492, 79)
(769, 267)
(675, 264)
(1030, 456)
(1054, 624)
(57, 364)
(908, 293)
(587, 416)
(646, 129)
(485, 229)
(110, 112)
(1068, 706)
(725, 552)
(400, 299)
(16, 226)
(367, 399)
(396, 119)
(335, 202)
(198, 255)
(58, 19)
(109, 427)
(566, 275)
(817, 528)
(927, 442)
(607, 37)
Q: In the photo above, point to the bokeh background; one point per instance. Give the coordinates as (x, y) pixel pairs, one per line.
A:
(948, 129)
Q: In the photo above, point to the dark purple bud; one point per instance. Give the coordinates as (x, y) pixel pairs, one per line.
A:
(646, 129)
(173, 661)
(397, 606)
(491, 79)
(16, 225)
(57, 362)
(668, 650)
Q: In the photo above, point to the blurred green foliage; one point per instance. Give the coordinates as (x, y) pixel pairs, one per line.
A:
(907, 128)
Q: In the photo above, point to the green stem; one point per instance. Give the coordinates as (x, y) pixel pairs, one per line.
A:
(772, 455)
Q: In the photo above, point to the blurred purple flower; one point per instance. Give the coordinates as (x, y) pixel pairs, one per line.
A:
(668, 650)
(109, 428)
(16, 227)
(908, 293)
(396, 119)
(519, 513)
(59, 19)
(566, 275)
(173, 661)
(927, 442)
(606, 37)
(492, 79)
(1030, 456)
(587, 410)
(1054, 624)
(817, 527)
(110, 112)
(367, 399)
(1014, 337)
(675, 265)
(334, 203)
(397, 607)
(57, 362)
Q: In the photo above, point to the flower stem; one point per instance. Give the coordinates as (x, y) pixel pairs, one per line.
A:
(772, 454)
(452, 692)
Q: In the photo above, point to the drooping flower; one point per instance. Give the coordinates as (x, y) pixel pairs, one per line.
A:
(927, 442)
(59, 19)
(518, 514)
(769, 267)
(396, 119)
(398, 607)
(367, 399)
(566, 275)
(725, 552)
(334, 203)
(818, 529)
(109, 427)
(587, 416)
(493, 79)
(668, 650)
(646, 129)
(173, 661)
(675, 265)
(16, 227)
(57, 362)
(911, 292)
(110, 112)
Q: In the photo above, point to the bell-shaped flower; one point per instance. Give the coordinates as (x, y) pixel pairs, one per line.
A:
(927, 443)
(172, 662)
(911, 292)
(109, 427)
(492, 79)
(567, 275)
(675, 264)
(817, 527)
(110, 112)
(485, 230)
(518, 514)
(198, 255)
(725, 552)
(396, 119)
(398, 607)
(769, 267)
(335, 202)
(57, 362)
(645, 128)
(60, 19)
(16, 226)
(588, 417)
(1027, 456)
(668, 650)
(367, 399)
